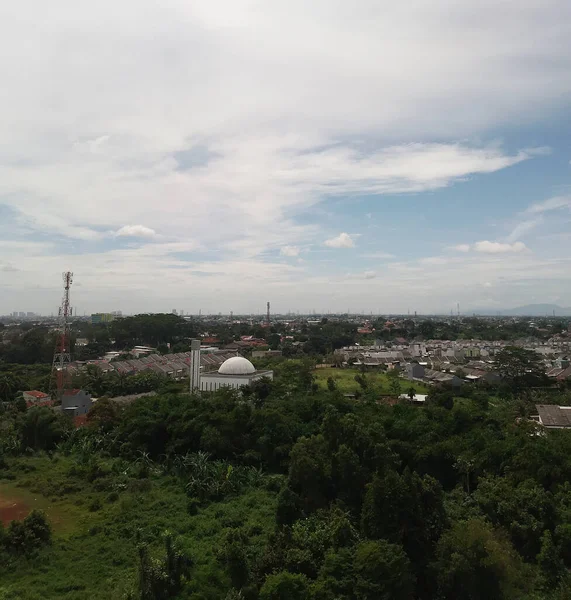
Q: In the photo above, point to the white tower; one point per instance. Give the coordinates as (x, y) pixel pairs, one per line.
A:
(194, 365)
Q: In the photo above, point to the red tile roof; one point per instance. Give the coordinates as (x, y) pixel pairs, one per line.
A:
(40, 403)
(36, 394)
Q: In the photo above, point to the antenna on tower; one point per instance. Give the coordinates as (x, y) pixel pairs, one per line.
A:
(62, 354)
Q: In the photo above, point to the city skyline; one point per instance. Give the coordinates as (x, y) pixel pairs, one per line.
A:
(360, 155)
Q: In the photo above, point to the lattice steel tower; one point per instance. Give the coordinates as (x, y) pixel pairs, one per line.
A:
(62, 354)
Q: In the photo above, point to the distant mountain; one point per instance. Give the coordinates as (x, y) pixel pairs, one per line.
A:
(529, 310)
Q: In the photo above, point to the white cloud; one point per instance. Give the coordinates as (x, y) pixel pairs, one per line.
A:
(138, 231)
(369, 274)
(343, 240)
(523, 228)
(380, 255)
(488, 247)
(289, 251)
(462, 247)
(555, 203)
(82, 155)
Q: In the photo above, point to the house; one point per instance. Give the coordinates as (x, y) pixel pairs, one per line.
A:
(266, 353)
(552, 416)
(480, 375)
(438, 377)
(414, 371)
(417, 398)
(36, 398)
(559, 373)
(75, 402)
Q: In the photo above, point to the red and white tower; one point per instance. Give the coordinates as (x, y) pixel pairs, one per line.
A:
(62, 354)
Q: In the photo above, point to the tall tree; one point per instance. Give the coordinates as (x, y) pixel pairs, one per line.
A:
(520, 368)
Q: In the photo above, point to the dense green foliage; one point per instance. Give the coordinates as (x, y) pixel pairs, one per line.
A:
(292, 491)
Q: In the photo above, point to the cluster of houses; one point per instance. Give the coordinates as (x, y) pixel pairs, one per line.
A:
(176, 366)
(454, 362)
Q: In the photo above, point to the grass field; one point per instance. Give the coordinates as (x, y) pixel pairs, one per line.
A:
(345, 380)
(93, 552)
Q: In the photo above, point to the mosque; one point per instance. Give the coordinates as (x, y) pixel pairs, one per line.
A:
(235, 372)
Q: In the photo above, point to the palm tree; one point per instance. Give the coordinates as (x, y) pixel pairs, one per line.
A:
(8, 386)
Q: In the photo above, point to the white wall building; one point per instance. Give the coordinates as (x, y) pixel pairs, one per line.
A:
(235, 372)
(76, 402)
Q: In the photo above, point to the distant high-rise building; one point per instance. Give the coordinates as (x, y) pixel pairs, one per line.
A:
(15, 313)
(30, 314)
(174, 312)
(21, 314)
(101, 318)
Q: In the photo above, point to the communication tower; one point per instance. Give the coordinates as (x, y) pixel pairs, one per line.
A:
(62, 354)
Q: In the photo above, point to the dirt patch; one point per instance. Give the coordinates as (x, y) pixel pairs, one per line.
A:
(12, 510)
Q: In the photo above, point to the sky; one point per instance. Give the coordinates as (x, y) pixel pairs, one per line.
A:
(331, 155)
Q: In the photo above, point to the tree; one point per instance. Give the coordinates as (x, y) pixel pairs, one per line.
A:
(427, 329)
(285, 586)
(232, 555)
(42, 429)
(382, 572)
(27, 536)
(411, 393)
(549, 561)
(520, 368)
(405, 509)
(394, 386)
(331, 384)
(289, 507)
(310, 471)
(159, 579)
(103, 414)
(476, 563)
(8, 386)
(362, 381)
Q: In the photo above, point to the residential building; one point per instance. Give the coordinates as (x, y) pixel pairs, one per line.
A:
(414, 371)
(101, 318)
(36, 398)
(76, 402)
(553, 417)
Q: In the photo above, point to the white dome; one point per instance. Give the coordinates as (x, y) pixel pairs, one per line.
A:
(237, 365)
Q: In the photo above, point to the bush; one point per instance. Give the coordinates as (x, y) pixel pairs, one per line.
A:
(27, 536)
(95, 505)
(285, 586)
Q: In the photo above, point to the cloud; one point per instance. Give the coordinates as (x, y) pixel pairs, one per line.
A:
(380, 255)
(555, 203)
(523, 228)
(343, 240)
(138, 231)
(369, 274)
(289, 251)
(7, 267)
(488, 247)
(462, 247)
(81, 155)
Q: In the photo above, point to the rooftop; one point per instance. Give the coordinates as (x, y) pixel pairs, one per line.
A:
(36, 394)
(551, 415)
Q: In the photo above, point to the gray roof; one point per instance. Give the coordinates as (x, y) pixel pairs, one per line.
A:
(554, 416)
